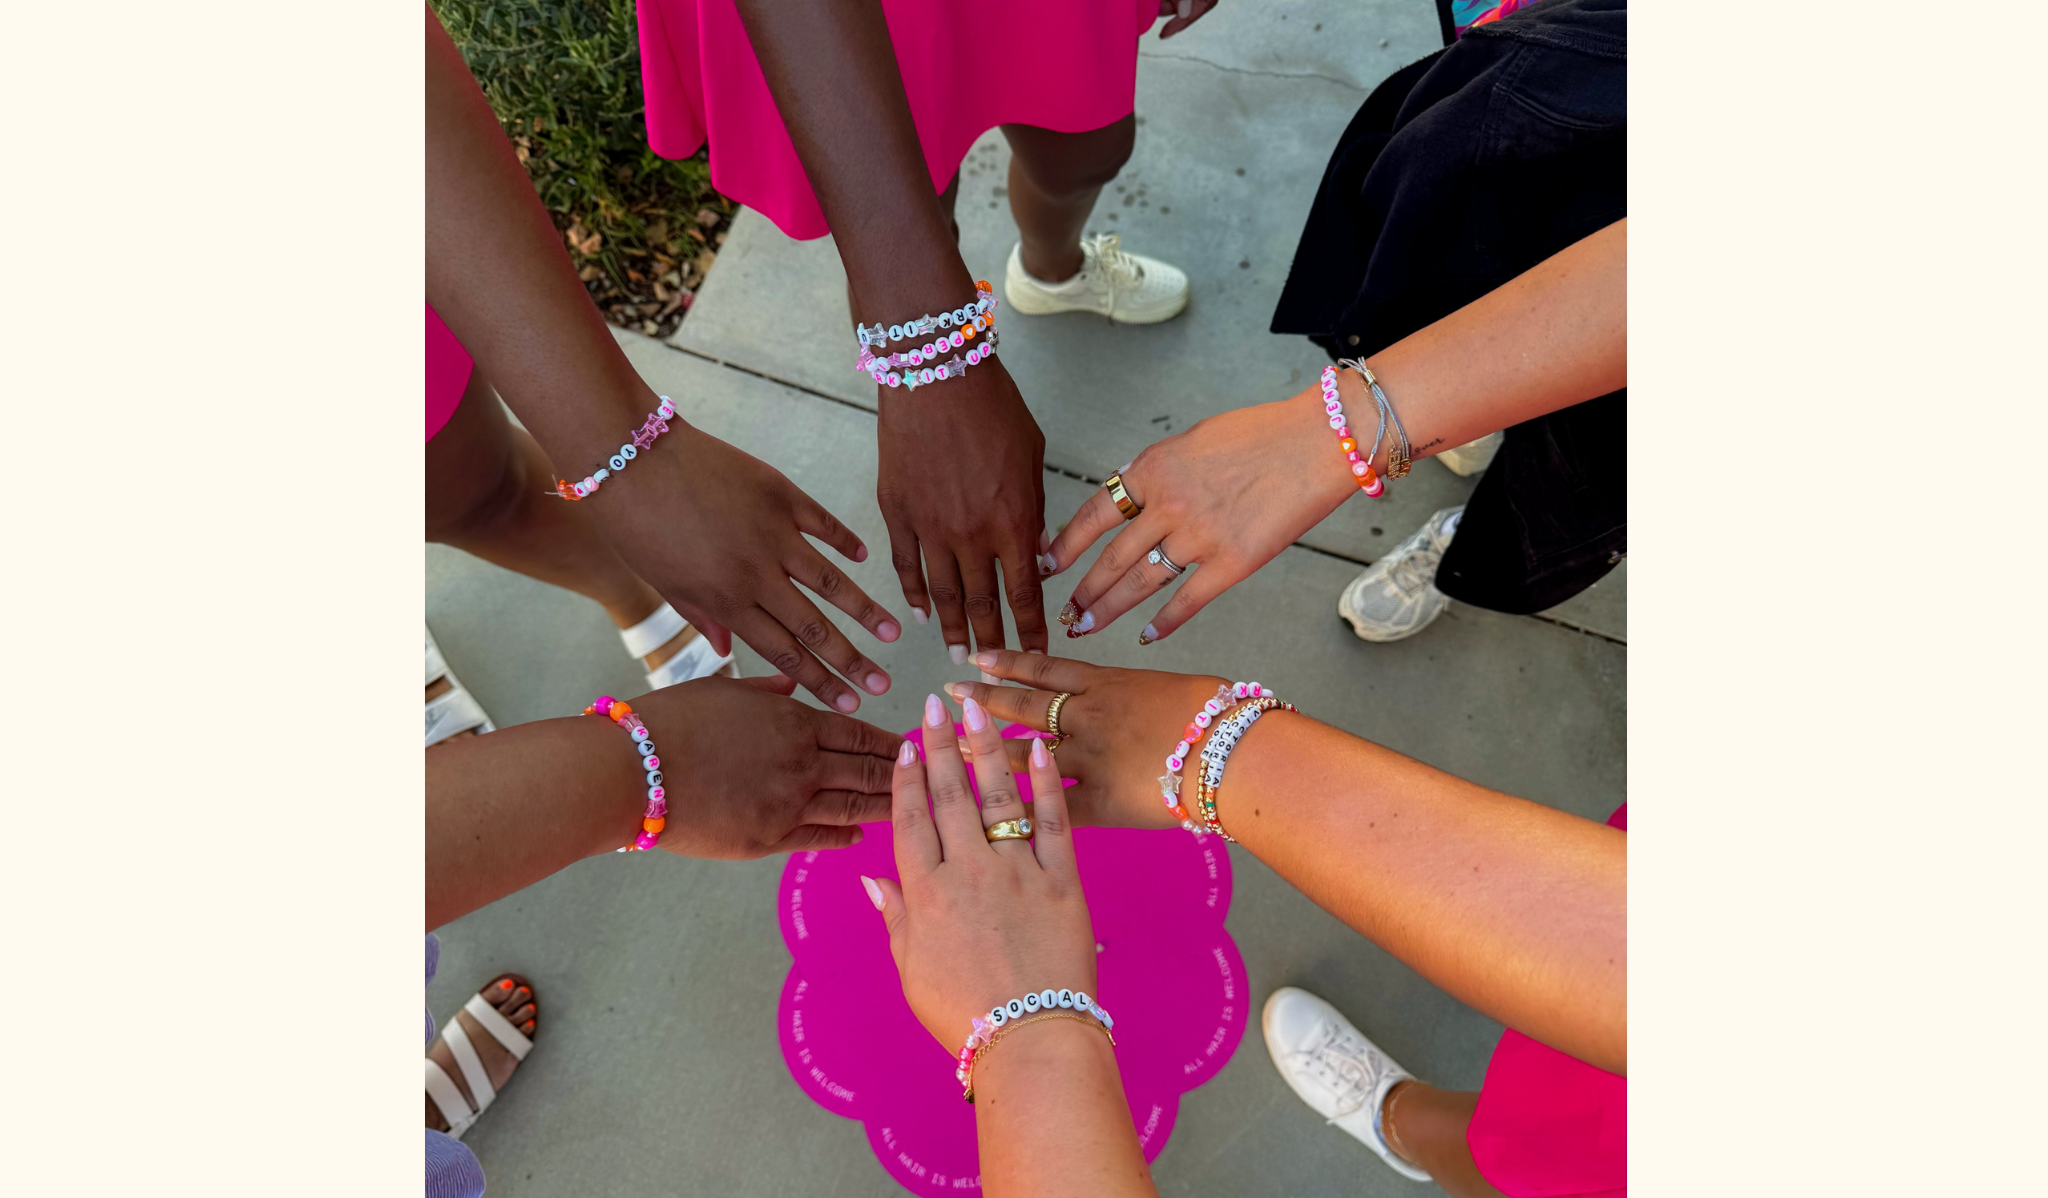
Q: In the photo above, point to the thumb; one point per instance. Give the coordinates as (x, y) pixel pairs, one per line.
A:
(887, 897)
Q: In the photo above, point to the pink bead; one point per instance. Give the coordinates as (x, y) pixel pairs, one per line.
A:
(1374, 488)
(604, 704)
(1352, 456)
(980, 1026)
(1343, 431)
(1358, 468)
(645, 841)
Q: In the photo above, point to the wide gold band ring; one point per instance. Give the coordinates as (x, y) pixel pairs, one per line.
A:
(1124, 503)
(1010, 829)
(1052, 720)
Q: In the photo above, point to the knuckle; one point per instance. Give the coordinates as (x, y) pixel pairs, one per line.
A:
(786, 659)
(981, 607)
(830, 583)
(813, 632)
(1050, 821)
(905, 563)
(1025, 596)
(945, 593)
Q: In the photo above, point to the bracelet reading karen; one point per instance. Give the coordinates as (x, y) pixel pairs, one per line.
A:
(656, 424)
(655, 817)
(1045, 1004)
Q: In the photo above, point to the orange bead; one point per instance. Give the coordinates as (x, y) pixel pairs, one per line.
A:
(968, 332)
(621, 709)
(1347, 445)
(653, 825)
(982, 285)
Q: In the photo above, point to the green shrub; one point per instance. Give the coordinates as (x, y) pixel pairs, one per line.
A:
(564, 78)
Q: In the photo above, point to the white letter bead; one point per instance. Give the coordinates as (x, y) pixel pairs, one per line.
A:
(640, 733)
(1014, 1007)
(654, 777)
(580, 490)
(1213, 706)
(656, 794)
(1081, 1001)
(1031, 1002)
(998, 1017)
(646, 748)
(1065, 998)
(629, 451)
(945, 320)
(618, 462)
(601, 474)
(895, 332)
(1048, 999)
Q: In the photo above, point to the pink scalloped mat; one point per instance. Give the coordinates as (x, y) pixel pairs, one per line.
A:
(1166, 968)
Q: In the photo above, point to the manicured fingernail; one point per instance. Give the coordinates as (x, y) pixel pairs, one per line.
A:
(958, 653)
(505, 985)
(1044, 539)
(1070, 613)
(977, 719)
(1185, 7)
(847, 702)
(1148, 636)
(1087, 623)
(877, 683)
(860, 553)
(917, 613)
(1039, 757)
(991, 679)
(956, 690)
(874, 891)
(934, 712)
(1045, 564)
(986, 659)
(888, 630)
(907, 755)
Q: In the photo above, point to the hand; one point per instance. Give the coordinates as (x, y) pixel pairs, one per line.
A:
(973, 923)
(1184, 14)
(1228, 495)
(750, 771)
(1120, 725)
(720, 534)
(962, 484)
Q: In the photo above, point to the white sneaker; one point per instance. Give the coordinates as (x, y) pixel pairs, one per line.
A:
(1339, 1073)
(1123, 286)
(1473, 456)
(1396, 597)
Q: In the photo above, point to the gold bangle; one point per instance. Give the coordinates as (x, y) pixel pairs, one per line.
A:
(1004, 1030)
(1114, 484)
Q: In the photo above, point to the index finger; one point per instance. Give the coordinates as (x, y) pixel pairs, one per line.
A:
(1040, 670)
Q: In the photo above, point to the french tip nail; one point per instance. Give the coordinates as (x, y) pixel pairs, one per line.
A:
(917, 613)
(985, 658)
(1148, 636)
(934, 712)
(958, 653)
(874, 891)
(1087, 623)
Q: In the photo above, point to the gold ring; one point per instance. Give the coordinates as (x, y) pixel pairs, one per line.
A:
(1052, 720)
(1010, 829)
(1124, 503)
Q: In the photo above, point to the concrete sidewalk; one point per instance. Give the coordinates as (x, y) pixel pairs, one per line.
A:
(658, 1070)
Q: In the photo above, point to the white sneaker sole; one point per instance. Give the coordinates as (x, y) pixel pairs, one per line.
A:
(1030, 298)
(1375, 633)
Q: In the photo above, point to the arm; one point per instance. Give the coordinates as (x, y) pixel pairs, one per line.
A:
(508, 809)
(718, 533)
(1518, 910)
(961, 462)
(1236, 489)
(973, 924)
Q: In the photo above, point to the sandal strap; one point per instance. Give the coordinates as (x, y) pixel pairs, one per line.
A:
(454, 1108)
(697, 660)
(473, 1071)
(654, 631)
(498, 1026)
(437, 665)
(456, 711)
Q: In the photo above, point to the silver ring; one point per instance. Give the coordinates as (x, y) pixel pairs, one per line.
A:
(1158, 558)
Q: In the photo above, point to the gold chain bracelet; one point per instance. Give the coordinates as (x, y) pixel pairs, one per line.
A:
(1005, 1030)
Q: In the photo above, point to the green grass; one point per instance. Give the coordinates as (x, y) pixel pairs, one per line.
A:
(564, 78)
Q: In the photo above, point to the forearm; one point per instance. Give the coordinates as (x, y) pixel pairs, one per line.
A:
(508, 809)
(1517, 909)
(498, 274)
(832, 70)
(1051, 1117)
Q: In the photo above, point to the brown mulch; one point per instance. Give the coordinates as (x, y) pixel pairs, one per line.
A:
(661, 281)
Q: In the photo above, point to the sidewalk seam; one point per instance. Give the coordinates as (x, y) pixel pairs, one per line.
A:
(1295, 75)
(1065, 472)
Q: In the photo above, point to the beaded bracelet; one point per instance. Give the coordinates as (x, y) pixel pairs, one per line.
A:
(655, 818)
(1216, 754)
(924, 326)
(656, 425)
(1170, 781)
(878, 368)
(1361, 468)
(987, 1029)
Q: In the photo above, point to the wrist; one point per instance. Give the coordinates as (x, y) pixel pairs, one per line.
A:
(628, 786)
(1319, 454)
(1043, 1056)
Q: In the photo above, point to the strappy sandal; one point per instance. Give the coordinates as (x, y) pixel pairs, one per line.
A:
(456, 711)
(442, 1088)
(697, 659)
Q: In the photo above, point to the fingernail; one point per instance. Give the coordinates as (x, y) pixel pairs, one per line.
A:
(1148, 636)
(986, 659)
(991, 679)
(1039, 757)
(917, 613)
(1185, 7)
(907, 755)
(955, 690)
(934, 712)
(860, 553)
(1044, 539)
(977, 719)
(1040, 652)
(1070, 613)
(874, 891)
(888, 630)
(847, 702)
(958, 653)
(1045, 564)
(1087, 623)
(877, 683)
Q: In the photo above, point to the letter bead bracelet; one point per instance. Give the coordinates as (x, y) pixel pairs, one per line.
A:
(1045, 1004)
(656, 425)
(1170, 781)
(1216, 754)
(655, 818)
(922, 365)
(925, 326)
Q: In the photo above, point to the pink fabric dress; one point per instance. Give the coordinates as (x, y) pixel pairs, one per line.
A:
(448, 369)
(1548, 1125)
(1066, 65)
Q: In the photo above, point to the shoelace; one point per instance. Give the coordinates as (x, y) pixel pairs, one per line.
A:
(1119, 269)
(1339, 1062)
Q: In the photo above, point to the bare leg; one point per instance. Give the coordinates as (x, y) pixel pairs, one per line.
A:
(1426, 1126)
(487, 494)
(1054, 179)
